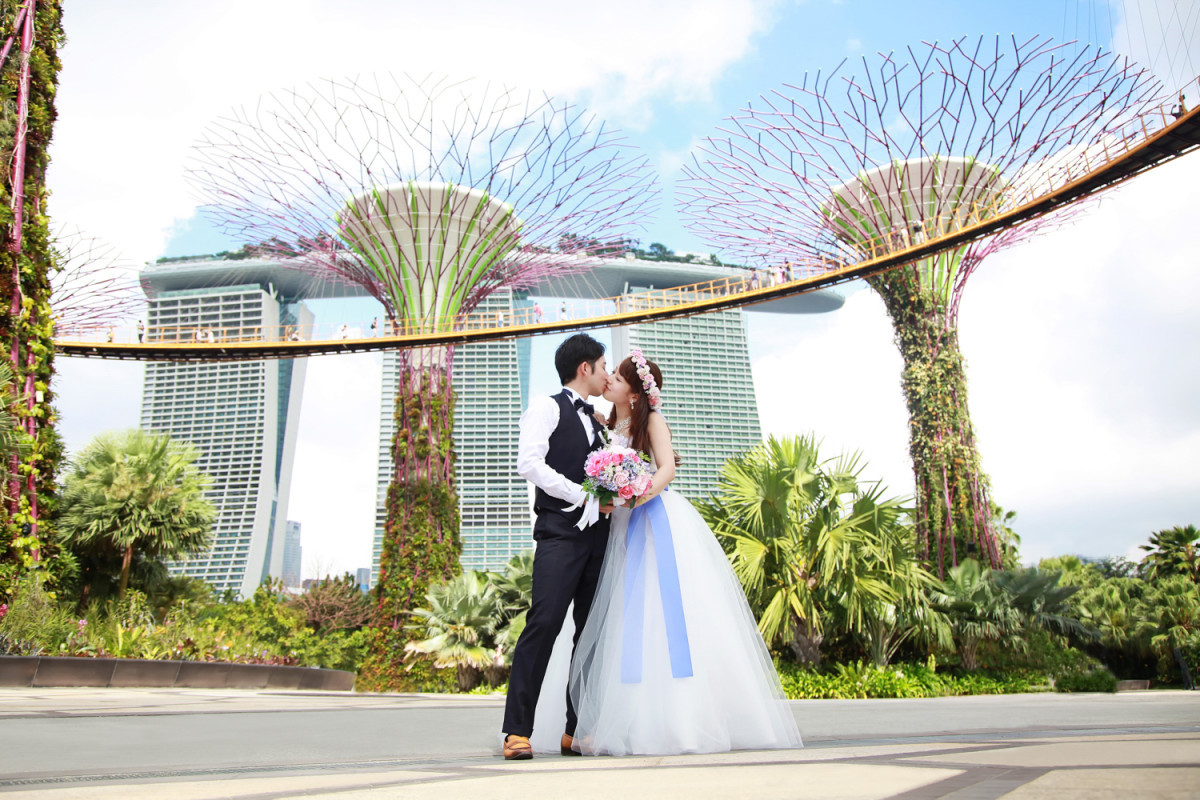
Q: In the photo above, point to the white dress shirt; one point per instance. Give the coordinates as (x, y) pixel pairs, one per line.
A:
(537, 423)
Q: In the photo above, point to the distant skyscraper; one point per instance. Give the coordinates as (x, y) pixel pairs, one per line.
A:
(492, 382)
(292, 555)
(241, 416)
(708, 399)
(362, 578)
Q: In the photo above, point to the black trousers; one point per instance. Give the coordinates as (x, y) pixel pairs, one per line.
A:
(566, 567)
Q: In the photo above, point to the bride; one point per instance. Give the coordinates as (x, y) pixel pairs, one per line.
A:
(670, 659)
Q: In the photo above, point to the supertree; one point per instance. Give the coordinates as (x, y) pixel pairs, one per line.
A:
(92, 286)
(29, 65)
(431, 194)
(843, 168)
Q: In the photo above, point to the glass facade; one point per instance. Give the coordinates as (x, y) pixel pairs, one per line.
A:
(293, 555)
(241, 416)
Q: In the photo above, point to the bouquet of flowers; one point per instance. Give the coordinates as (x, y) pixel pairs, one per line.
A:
(616, 474)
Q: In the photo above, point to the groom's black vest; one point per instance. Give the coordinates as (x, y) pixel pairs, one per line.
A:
(569, 448)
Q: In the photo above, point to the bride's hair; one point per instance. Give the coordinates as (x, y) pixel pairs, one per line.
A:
(639, 424)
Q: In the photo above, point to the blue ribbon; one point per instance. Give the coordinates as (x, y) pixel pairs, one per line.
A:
(651, 519)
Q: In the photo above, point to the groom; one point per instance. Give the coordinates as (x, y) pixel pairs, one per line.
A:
(557, 433)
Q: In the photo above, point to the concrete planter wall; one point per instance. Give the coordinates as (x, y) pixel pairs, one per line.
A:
(127, 672)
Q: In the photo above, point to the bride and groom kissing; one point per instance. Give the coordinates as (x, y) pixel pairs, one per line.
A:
(639, 639)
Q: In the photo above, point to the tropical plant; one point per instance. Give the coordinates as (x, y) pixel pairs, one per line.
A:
(514, 588)
(888, 624)
(32, 622)
(1170, 615)
(1110, 608)
(456, 628)
(1175, 551)
(1042, 602)
(136, 492)
(804, 538)
(977, 609)
(1072, 571)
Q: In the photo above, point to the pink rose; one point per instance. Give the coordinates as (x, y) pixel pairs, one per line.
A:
(622, 478)
(641, 483)
(625, 492)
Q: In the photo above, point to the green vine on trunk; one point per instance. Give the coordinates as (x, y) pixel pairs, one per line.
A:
(26, 541)
(421, 543)
(953, 508)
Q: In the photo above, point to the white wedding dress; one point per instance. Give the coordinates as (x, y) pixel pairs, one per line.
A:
(670, 660)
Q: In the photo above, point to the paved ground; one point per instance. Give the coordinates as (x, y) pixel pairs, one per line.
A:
(193, 744)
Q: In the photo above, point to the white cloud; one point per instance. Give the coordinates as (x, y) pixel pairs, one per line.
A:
(127, 114)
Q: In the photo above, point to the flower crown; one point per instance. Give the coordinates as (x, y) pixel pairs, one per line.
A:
(643, 371)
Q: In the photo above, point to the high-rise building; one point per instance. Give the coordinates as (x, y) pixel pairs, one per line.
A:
(241, 416)
(491, 381)
(362, 578)
(293, 555)
(708, 397)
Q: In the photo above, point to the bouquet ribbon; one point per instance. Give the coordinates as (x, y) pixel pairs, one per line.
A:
(650, 519)
(591, 512)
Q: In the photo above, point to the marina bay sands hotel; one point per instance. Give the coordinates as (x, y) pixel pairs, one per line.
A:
(244, 416)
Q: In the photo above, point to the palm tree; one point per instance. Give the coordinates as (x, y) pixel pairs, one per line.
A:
(799, 534)
(1170, 620)
(457, 627)
(1173, 552)
(1110, 608)
(1041, 601)
(978, 610)
(136, 492)
(887, 624)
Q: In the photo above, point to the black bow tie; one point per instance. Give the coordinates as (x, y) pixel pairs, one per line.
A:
(587, 407)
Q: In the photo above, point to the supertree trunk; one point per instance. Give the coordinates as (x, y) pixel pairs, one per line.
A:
(953, 518)
(29, 65)
(421, 544)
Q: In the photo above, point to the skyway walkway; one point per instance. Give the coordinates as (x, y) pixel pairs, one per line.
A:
(1161, 139)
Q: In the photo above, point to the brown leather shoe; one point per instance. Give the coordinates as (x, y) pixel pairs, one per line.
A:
(517, 748)
(566, 748)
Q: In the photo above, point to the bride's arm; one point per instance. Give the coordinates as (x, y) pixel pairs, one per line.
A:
(664, 456)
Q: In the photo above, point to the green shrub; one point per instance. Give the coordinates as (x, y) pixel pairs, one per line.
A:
(860, 680)
(34, 623)
(1099, 679)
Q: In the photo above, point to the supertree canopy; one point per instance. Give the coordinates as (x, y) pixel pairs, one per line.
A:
(843, 168)
(431, 194)
(92, 286)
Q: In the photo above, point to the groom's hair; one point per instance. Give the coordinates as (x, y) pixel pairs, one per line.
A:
(573, 352)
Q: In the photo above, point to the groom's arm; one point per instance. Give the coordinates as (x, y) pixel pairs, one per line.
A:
(537, 423)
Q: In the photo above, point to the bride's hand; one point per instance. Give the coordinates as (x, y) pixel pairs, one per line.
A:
(607, 508)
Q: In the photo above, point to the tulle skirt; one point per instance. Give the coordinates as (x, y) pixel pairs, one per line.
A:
(670, 660)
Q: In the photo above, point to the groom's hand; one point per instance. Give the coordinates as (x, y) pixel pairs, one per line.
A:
(607, 508)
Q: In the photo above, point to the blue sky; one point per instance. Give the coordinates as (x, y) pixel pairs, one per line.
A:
(1080, 389)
